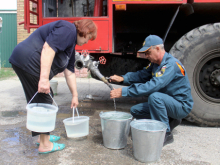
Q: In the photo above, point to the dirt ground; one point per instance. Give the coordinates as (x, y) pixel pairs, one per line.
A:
(192, 144)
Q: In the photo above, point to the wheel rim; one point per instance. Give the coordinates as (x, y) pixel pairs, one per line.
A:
(207, 76)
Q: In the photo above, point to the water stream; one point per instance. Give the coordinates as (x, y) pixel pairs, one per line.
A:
(89, 84)
(111, 87)
(114, 103)
(80, 81)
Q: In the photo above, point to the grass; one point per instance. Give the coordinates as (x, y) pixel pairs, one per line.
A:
(6, 73)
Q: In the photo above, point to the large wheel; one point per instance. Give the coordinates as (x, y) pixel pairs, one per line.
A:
(199, 51)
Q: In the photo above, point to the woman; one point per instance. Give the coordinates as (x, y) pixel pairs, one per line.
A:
(48, 51)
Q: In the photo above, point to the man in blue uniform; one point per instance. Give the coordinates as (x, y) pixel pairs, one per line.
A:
(164, 81)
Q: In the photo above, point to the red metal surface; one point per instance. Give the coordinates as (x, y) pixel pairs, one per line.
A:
(27, 24)
(85, 53)
(150, 1)
(206, 1)
(20, 23)
(101, 43)
(110, 15)
(28, 15)
(102, 60)
(33, 13)
(98, 8)
(39, 10)
(25, 14)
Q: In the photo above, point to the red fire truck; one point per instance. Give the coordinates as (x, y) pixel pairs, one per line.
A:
(190, 30)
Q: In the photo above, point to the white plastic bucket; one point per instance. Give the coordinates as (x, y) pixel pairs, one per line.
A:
(77, 128)
(41, 117)
(53, 85)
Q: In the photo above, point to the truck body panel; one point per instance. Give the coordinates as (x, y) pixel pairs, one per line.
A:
(190, 30)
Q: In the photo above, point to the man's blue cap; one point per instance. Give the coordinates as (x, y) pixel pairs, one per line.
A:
(151, 40)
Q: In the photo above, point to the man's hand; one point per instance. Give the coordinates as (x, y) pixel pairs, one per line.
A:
(116, 78)
(116, 93)
(74, 102)
(44, 86)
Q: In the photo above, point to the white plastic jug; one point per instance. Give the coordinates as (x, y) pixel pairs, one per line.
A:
(41, 117)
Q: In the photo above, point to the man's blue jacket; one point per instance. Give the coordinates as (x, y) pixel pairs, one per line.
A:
(169, 78)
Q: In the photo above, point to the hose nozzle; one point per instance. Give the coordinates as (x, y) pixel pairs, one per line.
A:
(86, 62)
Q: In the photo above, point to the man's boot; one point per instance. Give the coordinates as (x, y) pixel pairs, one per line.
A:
(168, 138)
(173, 123)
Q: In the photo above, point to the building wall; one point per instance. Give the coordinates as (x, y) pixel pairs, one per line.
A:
(22, 34)
(8, 36)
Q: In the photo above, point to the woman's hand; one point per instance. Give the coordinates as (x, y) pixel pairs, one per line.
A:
(71, 82)
(74, 102)
(47, 56)
(116, 78)
(44, 86)
(116, 93)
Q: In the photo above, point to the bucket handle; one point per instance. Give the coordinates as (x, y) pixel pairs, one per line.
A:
(48, 93)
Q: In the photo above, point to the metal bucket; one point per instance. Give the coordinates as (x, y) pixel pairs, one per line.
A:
(148, 138)
(115, 128)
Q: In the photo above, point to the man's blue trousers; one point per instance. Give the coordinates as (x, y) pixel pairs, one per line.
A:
(159, 107)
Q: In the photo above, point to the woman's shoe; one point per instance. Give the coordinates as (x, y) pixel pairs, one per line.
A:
(56, 147)
(53, 138)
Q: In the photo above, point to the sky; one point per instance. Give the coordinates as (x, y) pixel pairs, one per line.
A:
(8, 4)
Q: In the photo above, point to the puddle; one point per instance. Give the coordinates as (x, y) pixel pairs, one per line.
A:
(20, 144)
(12, 113)
(12, 140)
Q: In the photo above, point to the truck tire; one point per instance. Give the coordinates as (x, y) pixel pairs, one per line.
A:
(199, 52)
